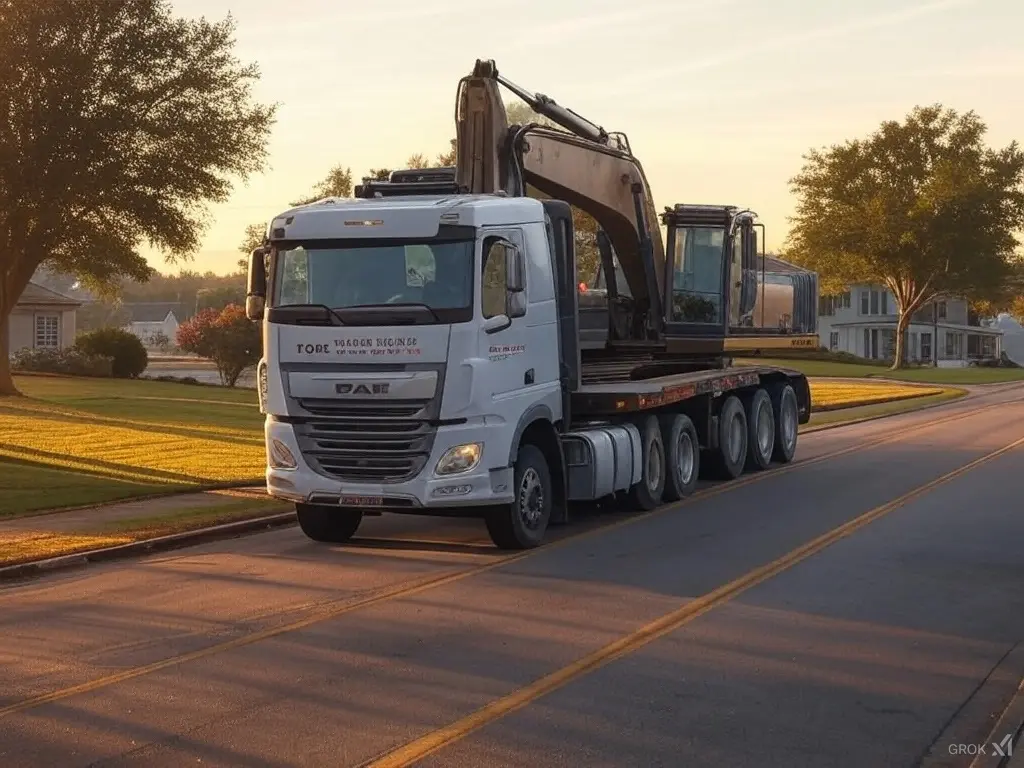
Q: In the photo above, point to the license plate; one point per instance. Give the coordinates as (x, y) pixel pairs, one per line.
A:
(361, 501)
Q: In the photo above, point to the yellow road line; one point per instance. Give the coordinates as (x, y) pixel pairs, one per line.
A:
(410, 588)
(432, 742)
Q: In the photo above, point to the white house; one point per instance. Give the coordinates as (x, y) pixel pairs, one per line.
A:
(42, 319)
(862, 321)
(148, 319)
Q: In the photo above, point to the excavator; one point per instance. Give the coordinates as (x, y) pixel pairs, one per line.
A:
(706, 296)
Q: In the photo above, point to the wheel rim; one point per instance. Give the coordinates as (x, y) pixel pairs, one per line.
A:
(735, 439)
(685, 458)
(765, 431)
(788, 422)
(531, 498)
(655, 462)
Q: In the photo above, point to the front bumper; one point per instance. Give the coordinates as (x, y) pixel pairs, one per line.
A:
(478, 487)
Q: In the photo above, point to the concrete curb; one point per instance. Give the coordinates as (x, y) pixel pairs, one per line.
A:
(963, 393)
(253, 485)
(1011, 723)
(146, 546)
(994, 710)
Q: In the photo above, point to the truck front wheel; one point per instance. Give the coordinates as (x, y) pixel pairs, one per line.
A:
(522, 524)
(330, 525)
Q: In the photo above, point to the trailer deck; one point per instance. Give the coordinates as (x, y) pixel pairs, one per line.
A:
(612, 398)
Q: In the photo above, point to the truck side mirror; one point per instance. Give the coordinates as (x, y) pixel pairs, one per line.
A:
(256, 289)
(515, 269)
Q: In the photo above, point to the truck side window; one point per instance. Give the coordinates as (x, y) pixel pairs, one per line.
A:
(492, 289)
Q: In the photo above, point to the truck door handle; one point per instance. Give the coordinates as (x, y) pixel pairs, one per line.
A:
(528, 377)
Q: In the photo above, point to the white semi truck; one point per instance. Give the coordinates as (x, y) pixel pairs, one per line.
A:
(423, 349)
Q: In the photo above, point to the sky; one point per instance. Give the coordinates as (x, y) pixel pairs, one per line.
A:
(720, 100)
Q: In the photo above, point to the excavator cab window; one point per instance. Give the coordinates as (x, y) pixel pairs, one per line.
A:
(697, 269)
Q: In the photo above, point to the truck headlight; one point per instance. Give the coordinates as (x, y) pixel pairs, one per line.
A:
(281, 456)
(461, 458)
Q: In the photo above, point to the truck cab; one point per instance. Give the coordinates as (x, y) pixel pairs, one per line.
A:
(409, 344)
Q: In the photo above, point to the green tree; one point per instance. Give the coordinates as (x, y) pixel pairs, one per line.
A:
(921, 206)
(120, 123)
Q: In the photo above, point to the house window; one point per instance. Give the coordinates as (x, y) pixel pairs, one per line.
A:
(833, 340)
(926, 346)
(845, 300)
(47, 332)
(874, 302)
(954, 345)
(942, 310)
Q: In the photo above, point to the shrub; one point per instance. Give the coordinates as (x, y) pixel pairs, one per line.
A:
(67, 362)
(126, 350)
(228, 338)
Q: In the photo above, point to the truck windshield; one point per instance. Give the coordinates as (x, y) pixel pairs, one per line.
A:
(435, 274)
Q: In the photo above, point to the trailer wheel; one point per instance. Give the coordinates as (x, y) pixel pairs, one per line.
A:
(522, 524)
(682, 456)
(646, 495)
(731, 454)
(787, 422)
(330, 525)
(760, 431)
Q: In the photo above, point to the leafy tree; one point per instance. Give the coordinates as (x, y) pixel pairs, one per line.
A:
(120, 122)
(227, 337)
(921, 206)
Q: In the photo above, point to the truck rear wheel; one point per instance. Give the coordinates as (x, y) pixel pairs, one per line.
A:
(522, 524)
(646, 495)
(731, 454)
(760, 431)
(682, 456)
(787, 424)
(330, 525)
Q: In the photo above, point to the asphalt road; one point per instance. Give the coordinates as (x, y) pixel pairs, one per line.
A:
(867, 647)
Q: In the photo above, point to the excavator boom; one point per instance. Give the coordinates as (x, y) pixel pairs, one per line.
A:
(583, 165)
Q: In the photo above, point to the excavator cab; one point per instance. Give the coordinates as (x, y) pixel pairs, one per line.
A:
(711, 270)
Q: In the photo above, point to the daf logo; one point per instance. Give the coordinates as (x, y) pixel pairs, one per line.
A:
(373, 388)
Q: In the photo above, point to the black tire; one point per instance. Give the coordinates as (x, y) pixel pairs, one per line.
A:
(760, 431)
(646, 495)
(787, 422)
(682, 456)
(731, 454)
(522, 524)
(330, 525)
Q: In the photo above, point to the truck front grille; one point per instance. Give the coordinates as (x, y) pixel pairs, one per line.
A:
(366, 441)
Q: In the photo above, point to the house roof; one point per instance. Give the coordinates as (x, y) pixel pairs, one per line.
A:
(153, 311)
(36, 294)
(772, 264)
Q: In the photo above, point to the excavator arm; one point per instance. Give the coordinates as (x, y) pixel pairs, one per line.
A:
(583, 165)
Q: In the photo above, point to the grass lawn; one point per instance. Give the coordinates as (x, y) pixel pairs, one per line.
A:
(922, 375)
(81, 441)
(829, 395)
